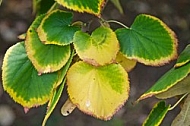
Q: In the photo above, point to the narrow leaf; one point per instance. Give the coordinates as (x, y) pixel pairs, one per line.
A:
(183, 117)
(180, 88)
(149, 41)
(98, 91)
(157, 114)
(118, 5)
(184, 57)
(45, 58)
(168, 80)
(92, 7)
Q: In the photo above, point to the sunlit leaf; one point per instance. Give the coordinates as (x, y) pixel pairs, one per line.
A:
(21, 80)
(45, 58)
(184, 57)
(183, 117)
(118, 5)
(98, 91)
(157, 114)
(168, 80)
(125, 62)
(180, 88)
(149, 41)
(56, 28)
(92, 7)
(67, 108)
(98, 49)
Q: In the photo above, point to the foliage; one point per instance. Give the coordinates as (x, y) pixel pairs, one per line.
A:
(95, 65)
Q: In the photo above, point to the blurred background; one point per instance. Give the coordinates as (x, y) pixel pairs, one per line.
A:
(15, 18)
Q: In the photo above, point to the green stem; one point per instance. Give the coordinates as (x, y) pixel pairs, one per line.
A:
(117, 22)
(171, 108)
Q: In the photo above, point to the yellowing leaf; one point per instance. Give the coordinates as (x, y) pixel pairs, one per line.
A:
(98, 49)
(98, 91)
(89, 6)
(125, 62)
(184, 116)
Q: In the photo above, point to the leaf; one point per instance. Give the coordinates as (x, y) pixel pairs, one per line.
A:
(56, 28)
(148, 41)
(184, 57)
(157, 114)
(21, 80)
(67, 108)
(125, 62)
(180, 88)
(57, 92)
(92, 7)
(45, 58)
(98, 91)
(98, 49)
(183, 117)
(117, 5)
(42, 6)
(168, 80)
(1, 2)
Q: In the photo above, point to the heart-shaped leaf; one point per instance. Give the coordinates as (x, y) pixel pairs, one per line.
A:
(98, 49)
(98, 91)
(149, 41)
(45, 58)
(21, 80)
(92, 7)
(184, 57)
(56, 28)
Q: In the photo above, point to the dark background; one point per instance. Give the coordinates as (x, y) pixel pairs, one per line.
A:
(15, 18)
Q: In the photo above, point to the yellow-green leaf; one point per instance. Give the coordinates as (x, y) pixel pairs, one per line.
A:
(183, 117)
(180, 88)
(98, 49)
(92, 7)
(45, 58)
(98, 91)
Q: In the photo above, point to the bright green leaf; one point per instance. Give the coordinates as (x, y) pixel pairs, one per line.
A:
(157, 114)
(56, 28)
(125, 62)
(169, 79)
(118, 5)
(21, 80)
(98, 49)
(45, 58)
(184, 57)
(98, 91)
(149, 41)
(92, 7)
(183, 117)
(178, 89)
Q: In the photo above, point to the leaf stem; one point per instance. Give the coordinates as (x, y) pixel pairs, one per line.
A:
(171, 108)
(117, 22)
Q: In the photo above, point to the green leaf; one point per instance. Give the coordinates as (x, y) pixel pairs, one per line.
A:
(168, 80)
(92, 7)
(45, 58)
(98, 49)
(42, 6)
(21, 80)
(98, 91)
(183, 117)
(180, 88)
(157, 114)
(149, 41)
(58, 91)
(56, 28)
(118, 5)
(184, 57)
